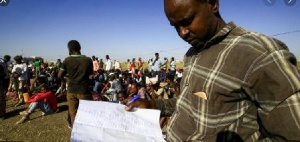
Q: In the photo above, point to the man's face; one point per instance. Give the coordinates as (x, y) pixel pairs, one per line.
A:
(18, 61)
(121, 96)
(6, 59)
(194, 21)
(43, 90)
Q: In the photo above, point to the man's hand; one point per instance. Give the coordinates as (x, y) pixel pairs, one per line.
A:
(15, 75)
(141, 103)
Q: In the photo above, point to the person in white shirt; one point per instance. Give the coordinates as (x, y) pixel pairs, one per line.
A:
(117, 65)
(108, 63)
(19, 73)
(173, 65)
(156, 65)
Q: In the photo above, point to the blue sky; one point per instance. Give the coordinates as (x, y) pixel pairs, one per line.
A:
(125, 28)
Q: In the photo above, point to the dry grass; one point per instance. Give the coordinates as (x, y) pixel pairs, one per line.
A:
(51, 128)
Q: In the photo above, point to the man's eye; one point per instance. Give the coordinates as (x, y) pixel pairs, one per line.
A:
(183, 23)
(186, 22)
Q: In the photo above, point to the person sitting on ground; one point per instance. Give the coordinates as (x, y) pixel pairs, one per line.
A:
(121, 97)
(44, 100)
(133, 89)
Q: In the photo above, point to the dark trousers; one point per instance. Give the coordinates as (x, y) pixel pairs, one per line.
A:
(73, 103)
(2, 100)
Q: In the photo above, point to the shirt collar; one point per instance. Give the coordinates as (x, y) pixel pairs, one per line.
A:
(77, 55)
(222, 34)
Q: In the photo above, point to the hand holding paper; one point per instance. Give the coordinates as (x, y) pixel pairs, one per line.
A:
(104, 121)
(135, 98)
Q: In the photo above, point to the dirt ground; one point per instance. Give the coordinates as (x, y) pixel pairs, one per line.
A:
(50, 128)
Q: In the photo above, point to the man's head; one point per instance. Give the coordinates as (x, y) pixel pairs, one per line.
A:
(112, 76)
(74, 47)
(196, 21)
(122, 96)
(170, 78)
(18, 59)
(43, 88)
(7, 58)
(107, 57)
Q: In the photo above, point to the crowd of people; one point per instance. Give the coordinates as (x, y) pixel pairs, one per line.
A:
(38, 84)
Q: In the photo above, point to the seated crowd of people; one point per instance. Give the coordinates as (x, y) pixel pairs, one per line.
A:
(40, 88)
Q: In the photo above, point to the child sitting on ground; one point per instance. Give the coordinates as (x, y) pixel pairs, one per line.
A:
(44, 100)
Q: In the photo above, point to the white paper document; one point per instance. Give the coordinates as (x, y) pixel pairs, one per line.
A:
(98, 121)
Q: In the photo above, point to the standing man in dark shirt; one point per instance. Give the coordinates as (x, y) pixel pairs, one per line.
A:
(78, 69)
(4, 83)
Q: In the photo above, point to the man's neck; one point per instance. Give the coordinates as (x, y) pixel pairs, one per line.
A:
(75, 54)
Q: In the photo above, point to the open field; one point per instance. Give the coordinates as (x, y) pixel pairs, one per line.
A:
(51, 128)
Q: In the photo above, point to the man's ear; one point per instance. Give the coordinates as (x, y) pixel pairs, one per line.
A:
(214, 5)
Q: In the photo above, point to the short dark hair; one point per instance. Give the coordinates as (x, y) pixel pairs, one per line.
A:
(18, 58)
(74, 45)
(170, 77)
(156, 54)
(210, 2)
(7, 57)
(203, 1)
(44, 86)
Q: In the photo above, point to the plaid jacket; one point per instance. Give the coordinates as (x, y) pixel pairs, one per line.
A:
(242, 85)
